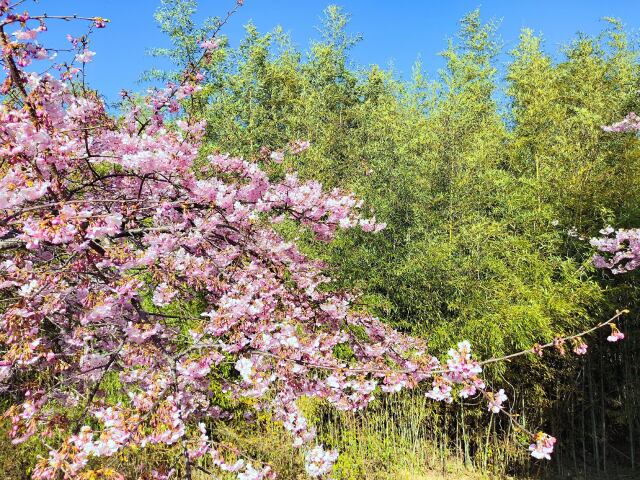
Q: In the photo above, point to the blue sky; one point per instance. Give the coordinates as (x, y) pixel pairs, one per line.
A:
(395, 32)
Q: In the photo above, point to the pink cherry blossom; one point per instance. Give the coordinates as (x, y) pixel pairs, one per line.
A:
(163, 295)
(211, 44)
(580, 348)
(618, 250)
(277, 156)
(631, 123)
(615, 336)
(25, 34)
(496, 400)
(542, 446)
(299, 146)
(370, 225)
(86, 56)
(319, 462)
(100, 22)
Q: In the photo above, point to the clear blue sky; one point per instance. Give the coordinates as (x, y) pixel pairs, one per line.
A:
(395, 32)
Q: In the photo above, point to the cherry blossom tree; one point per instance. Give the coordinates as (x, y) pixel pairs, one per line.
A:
(130, 262)
(619, 250)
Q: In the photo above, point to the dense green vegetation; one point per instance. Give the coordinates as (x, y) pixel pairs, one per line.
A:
(490, 180)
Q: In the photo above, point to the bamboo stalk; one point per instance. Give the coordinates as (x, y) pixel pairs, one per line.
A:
(594, 430)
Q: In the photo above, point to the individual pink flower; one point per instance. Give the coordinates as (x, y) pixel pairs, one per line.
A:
(319, 461)
(496, 400)
(26, 34)
(580, 348)
(630, 123)
(73, 40)
(615, 334)
(86, 56)
(370, 225)
(252, 473)
(441, 391)
(277, 156)
(163, 295)
(245, 367)
(299, 146)
(558, 343)
(542, 446)
(210, 44)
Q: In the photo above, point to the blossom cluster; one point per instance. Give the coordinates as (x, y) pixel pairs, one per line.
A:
(461, 369)
(542, 446)
(618, 250)
(615, 334)
(630, 123)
